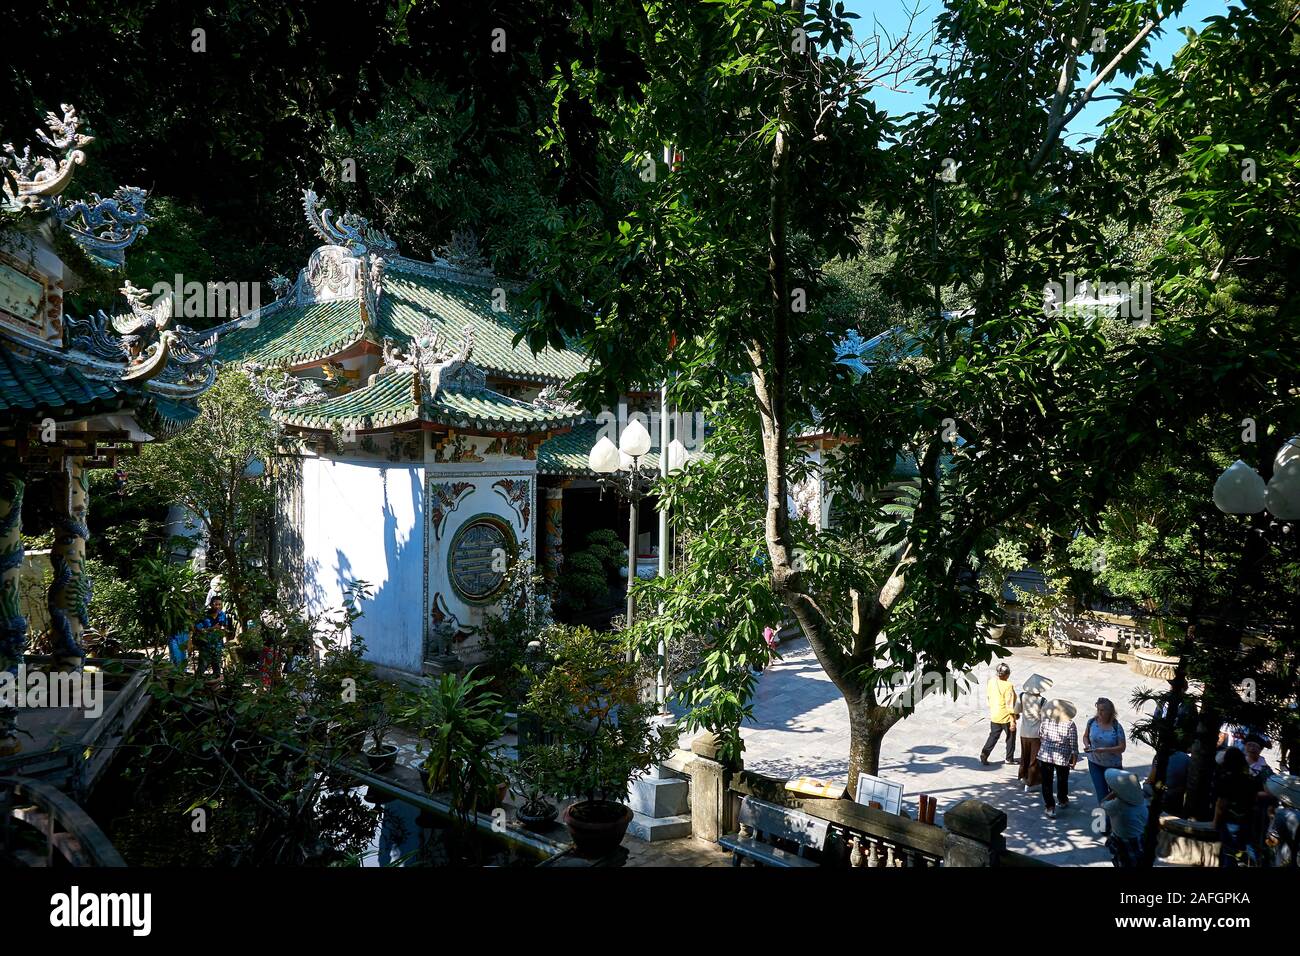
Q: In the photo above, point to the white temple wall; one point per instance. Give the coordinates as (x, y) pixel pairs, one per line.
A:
(363, 519)
(471, 480)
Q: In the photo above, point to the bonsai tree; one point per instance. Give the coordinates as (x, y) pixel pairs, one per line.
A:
(533, 777)
(522, 612)
(590, 701)
(381, 716)
(587, 574)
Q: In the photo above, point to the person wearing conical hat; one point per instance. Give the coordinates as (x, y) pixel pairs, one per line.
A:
(1029, 713)
(1058, 752)
(1125, 807)
(1283, 837)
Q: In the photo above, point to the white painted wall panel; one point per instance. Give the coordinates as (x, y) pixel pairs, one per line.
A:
(364, 520)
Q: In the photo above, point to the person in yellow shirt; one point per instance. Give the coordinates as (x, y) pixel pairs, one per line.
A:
(1002, 716)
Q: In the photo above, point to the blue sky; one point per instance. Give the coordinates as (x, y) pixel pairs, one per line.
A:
(893, 16)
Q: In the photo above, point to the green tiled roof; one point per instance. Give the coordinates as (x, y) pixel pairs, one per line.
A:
(567, 454)
(494, 412)
(294, 335)
(391, 402)
(408, 298)
(36, 388)
(32, 389)
(164, 417)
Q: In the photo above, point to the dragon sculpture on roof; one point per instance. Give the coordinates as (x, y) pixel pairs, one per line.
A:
(145, 346)
(349, 230)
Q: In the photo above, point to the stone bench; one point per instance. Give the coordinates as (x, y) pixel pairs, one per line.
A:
(766, 822)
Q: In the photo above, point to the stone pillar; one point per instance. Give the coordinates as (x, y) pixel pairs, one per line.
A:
(973, 834)
(712, 812)
(69, 592)
(554, 530)
(13, 626)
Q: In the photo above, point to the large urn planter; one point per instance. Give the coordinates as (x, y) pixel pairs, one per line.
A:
(1151, 663)
(597, 826)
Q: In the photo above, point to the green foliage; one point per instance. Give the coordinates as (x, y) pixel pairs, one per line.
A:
(203, 470)
(262, 760)
(587, 574)
(521, 614)
(168, 598)
(589, 701)
(115, 609)
(459, 720)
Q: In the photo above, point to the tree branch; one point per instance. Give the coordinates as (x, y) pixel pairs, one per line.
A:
(1057, 123)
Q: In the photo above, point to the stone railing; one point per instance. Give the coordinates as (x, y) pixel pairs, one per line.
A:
(971, 834)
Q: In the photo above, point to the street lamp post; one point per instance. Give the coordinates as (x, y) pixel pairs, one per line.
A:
(619, 467)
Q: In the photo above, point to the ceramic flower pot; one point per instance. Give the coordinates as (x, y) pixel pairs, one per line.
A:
(597, 826)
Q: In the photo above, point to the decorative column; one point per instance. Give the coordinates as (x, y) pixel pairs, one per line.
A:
(554, 530)
(69, 593)
(13, 626)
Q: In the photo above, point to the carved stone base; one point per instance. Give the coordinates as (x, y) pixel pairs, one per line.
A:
(1155, 666)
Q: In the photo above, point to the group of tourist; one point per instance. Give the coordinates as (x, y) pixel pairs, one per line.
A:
(1256, 810)
(1254, 807)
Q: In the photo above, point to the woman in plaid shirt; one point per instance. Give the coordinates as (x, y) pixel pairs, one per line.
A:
(1058, 751)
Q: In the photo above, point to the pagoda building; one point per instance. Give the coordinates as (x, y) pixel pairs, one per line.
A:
(75, 394)
(423, 451)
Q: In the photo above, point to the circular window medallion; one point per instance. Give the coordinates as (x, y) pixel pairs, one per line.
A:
(478, 557)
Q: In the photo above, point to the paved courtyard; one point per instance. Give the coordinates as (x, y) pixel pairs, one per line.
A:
(802, 727)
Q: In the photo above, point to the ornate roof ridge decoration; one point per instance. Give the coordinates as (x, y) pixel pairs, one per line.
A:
(555, 398)
(428, 350)
(282, 391)
(103, 227)
(349, 230)
(462, 252)
(143, 348)
(442, 269)
(31, 182)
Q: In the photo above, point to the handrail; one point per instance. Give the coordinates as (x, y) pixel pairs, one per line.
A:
(919, 842)
(70, 818)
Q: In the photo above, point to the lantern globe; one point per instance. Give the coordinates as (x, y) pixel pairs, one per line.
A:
(635, 440)
(1282, 494)
(1239, 490)
(678, 456)
(603, 458)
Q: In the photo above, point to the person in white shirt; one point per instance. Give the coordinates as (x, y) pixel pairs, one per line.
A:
(1029, 711)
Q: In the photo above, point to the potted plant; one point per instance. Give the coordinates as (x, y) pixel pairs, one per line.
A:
(380, 718)
(459, 719)
(534, 778)
(603, 736)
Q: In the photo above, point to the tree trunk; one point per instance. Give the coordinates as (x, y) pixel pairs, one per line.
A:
(1166, 739)
(1200, 772)
(868, 724)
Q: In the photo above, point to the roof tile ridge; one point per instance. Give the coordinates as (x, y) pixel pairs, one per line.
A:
(453, 273)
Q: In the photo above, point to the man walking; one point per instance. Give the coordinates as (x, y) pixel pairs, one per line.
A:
(1002, 717)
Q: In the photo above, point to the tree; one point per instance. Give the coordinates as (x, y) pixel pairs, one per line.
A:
(205, 469)
(1007, 412)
